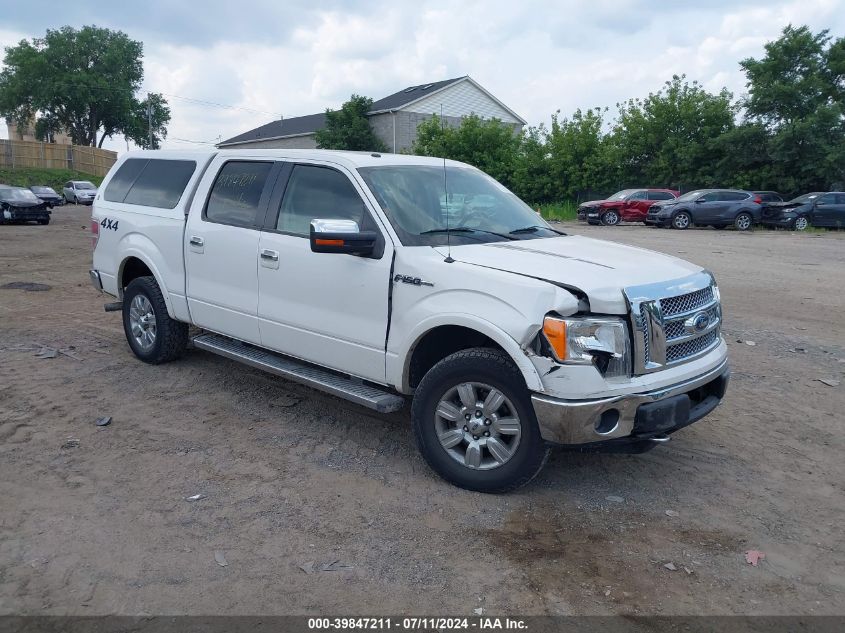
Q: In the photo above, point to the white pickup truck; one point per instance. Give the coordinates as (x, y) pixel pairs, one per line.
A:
(379, 277)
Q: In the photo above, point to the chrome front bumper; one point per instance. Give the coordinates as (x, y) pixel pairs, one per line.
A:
(591, 421)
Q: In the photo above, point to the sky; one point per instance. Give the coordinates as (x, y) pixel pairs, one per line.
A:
(269, 59)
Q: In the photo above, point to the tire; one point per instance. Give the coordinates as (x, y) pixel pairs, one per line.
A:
(802, 223)
(681, 220)
(44, 222)
(743, 221)
(143, 307)
(610, 218)
(521, 451)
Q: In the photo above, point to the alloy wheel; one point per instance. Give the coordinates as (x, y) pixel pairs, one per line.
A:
(477, 426)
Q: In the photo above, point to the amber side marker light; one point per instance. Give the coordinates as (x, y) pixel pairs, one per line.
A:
(555, 331)
(320, 242)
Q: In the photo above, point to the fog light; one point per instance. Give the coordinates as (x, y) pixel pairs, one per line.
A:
(607, 422)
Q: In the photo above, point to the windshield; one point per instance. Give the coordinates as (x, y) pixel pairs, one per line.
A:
(18, 195)
(621, 195)
(85, 185)
(806, 197)
(692, 195)
(477, 208)
(43, 190)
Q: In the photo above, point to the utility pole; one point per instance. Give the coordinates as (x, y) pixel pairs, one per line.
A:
(149, 122)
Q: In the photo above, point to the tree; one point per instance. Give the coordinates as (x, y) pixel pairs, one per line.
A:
(83, 81)
(490, 145)
(664, 139)
(349, 128)
(578, 154)
(797, 93)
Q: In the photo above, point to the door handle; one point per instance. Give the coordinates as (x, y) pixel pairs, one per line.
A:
(196, 241)
(272, 256)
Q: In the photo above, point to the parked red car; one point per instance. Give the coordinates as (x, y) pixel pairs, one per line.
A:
(628, 205)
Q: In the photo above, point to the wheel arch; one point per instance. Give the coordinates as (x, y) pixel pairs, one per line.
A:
(434, 340)
(136, 264)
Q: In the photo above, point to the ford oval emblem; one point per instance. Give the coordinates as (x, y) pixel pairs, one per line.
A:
(700, 321)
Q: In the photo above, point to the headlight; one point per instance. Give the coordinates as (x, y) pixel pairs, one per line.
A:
(590, 341)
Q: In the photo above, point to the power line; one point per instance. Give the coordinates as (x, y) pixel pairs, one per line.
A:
(221, 105)
(187, 140)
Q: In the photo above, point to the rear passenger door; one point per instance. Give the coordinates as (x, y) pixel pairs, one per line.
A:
(221, 248)
(325, 308)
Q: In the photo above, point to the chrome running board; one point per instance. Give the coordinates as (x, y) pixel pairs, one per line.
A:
(297, 371)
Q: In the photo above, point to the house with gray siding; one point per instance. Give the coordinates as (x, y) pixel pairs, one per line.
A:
(394, 118)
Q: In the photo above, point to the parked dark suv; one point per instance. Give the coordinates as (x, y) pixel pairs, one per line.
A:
(714, 207)
(816, 208)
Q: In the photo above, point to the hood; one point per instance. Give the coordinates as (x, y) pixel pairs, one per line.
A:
(591, 204)
(23, 204)
(600, 269)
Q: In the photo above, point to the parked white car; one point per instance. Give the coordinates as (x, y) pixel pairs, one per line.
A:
(345, 271)
(79, 192)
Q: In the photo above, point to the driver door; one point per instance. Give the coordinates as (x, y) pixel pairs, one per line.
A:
(636, 207)
(326, 308)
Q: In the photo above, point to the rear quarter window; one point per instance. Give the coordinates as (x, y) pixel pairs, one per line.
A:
(150, 182)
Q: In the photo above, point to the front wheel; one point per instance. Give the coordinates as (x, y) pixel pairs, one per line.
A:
(610, 218)
(44, 222)
(682, 220)
(743, 221)
(801, 223)
(474, 422)
(153, 336)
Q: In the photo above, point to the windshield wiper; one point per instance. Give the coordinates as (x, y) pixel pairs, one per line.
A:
(534, 228)
(466, 229)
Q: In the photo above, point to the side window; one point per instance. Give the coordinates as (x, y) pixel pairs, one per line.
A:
(318, 192)
(732, 196)
(67, 186)
(713, 196)
(236, 193)
(638, 195)
(828, 198)
(161, 183)
(660, 195)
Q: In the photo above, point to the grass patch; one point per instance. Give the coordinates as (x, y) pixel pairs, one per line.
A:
(55, 178)
(562, 211)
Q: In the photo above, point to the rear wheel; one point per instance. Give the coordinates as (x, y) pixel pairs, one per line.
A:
(153, 336)
(743, 221)
(474, 422)
(682, 220)
(610, 218)
(801, 223)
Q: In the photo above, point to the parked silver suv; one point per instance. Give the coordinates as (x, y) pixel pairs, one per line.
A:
(79, 192)
(708, 207)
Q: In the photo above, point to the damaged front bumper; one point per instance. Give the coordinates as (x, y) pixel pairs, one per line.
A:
(638, 419)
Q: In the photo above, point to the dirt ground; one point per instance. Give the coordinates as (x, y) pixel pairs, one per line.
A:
(294, 478)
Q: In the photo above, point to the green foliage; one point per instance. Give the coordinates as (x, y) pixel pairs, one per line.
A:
(55, 178)
(83, 81)
(563, 211)
(663, 140)
(792, 138)
(349, 128)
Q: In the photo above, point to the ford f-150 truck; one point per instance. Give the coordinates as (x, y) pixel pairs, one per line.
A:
(379, 278)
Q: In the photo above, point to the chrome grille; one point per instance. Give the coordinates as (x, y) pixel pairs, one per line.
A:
(675, 353)
(686, 303)
(670, 324)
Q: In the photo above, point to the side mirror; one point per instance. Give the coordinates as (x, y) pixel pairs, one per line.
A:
(701, 199)
(341, 236)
